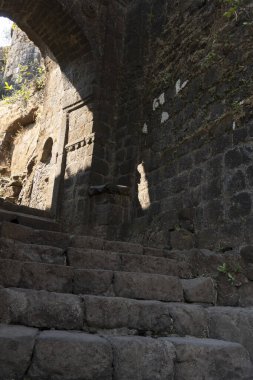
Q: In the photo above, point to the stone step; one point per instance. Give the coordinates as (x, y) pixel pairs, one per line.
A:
(233, 324)
(99, 259)
(84, 242)
(27, 216)
(16, 250)
(65, 279)
(210, 359)
(56, 278)
(30, 235)
(106, 315)
(92, 259)
(69, 355)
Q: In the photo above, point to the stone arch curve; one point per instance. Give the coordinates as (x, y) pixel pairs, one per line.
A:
(48, 24)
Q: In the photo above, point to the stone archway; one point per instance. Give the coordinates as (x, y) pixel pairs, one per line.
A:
(80, 38)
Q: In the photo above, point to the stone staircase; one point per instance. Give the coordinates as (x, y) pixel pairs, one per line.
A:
(83, 308)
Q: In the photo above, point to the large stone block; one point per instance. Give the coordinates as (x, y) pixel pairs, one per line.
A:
(71, 356)
(210, 359)
(54, 278)
(10, 273)
(86, 242)
(200, 290)
(148, 286)
(144, 317)
(16, 348)
(149, 264)
(41, 309)
(32, 236)
(93, 259)
(98, 282)
(124, 247)
(16, 250)
(142, 358)
(232, 324)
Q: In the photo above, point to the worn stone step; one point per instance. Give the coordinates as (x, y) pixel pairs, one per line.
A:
(65, 279)
(148, 286)
(107, 315)
(86, 242)
(27, 217)
(234, 324)
(200, 290)
(99, 259)
(70, 355)
(92, 259)
(55, 278)
(210, 359)
(16, 250)
(30, 235)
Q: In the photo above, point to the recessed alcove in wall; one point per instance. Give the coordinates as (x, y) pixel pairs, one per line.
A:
(47, 151)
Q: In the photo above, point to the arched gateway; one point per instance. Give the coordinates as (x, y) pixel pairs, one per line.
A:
(74, 36)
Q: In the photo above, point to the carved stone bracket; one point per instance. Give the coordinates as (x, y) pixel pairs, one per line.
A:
(109, 188)
(80, 143)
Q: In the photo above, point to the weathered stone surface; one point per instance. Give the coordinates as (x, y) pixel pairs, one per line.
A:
(147, 317)
(11, 249)
(148, 264)
(16, 348)
(200, 290)
(71, 356)
(189, 320)
(247, 253)
(182, 239)
(54, 278)
(227, 293)
(10, 272)
(210, 359)
(147, 286)
(246, 294)
(86, 242)
(142, 358)
(93, 259)
(98, 282)
(124, 247)
(41, 309)
(149, 251)
(232, 324)
(29, 235)
(125, 314)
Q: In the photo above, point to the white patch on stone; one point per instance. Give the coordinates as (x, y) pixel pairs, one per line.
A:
(145, 129)
(158, 101)
(184, 84)
(155, 104)
(162, 99)
(179, 86)
(165, 117)
(234, 125)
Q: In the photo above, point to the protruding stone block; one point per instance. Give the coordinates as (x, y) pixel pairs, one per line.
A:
(71, 356)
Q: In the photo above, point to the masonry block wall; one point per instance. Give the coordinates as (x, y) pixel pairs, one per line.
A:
(155, 122)
(185, 131)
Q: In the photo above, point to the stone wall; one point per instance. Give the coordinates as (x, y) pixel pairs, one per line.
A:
(184, 138)
(148, 104)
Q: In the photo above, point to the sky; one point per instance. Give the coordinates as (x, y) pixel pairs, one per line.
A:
(5, 31)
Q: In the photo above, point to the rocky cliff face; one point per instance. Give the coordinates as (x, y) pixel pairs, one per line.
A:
(26, 144)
